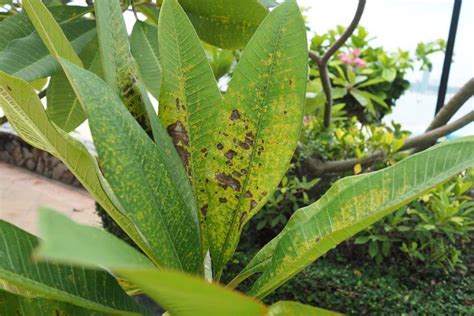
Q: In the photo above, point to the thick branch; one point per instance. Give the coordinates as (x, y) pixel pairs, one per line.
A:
(434, 134)
(317, 168)
(453, 105)
(322, 62)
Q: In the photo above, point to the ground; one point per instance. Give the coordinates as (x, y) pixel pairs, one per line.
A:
(22, 193)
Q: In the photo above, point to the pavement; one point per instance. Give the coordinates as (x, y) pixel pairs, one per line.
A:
(22, 193)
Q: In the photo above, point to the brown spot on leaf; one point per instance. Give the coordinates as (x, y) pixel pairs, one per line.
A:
(204, 210)
(236, 174)
(242, 219)
(222, 200)
(9, 89)
(252, 204)
(220, 146)
(228, 181)
(230, 154)
(244, 145)
(177, 104)
(244, 171)
(204, 150)
(264, 193)
(248, 194)
(290, 82)
(180, 138)
(235, 115)
(285, 112)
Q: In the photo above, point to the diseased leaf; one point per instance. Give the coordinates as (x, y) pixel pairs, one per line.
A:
(351, 205)
(154, 192)
(25, 112)
(257, 128)
(144, 46)
(28, 58)
(64, 109)
(12, 304)
(95, 290)
(19, 25)
(189, 97)
(225, 23)
(120, 69)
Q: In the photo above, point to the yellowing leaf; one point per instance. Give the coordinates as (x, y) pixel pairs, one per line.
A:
(257, 128)
(357, 168)
(352, 204)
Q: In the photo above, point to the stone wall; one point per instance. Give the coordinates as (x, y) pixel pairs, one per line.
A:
(15, 151)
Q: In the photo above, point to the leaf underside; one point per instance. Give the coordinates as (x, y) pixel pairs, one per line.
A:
(96, 290)
(351, 205)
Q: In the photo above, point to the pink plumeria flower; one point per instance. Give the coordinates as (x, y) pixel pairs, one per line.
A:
(345, 58)
(356, 52)
(359, 62)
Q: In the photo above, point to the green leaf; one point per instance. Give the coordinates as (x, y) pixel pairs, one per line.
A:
(57, 43)
(178, 293)
(25, 112)
(28, 58)
(144, 47)
(12, 304)
(96, 290)
(189, 97)
(120, 69)
(222, 22)
(389, 74)
(288, 308)
(153, 190)
(257, 128)
(220, 60)
(351, 205)
(19, 25)
(68, 242)
(184, 295)
(64, 109)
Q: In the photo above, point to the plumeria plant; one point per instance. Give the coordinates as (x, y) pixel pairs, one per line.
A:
(183, 182)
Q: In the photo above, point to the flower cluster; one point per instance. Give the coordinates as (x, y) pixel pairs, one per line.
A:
(353, 59)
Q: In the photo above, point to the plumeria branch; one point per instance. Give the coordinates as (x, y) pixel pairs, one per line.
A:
(317, 168)
(322, 61)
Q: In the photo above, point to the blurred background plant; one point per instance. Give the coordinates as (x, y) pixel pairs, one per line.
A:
(368, 80)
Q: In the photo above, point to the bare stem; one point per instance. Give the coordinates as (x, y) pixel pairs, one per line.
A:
(322, 62)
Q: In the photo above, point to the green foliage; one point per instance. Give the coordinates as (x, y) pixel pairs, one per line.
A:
(182, 183)
(361, 288)
(367, 79)
(430, 231)
(348, 138)
(221, 22)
